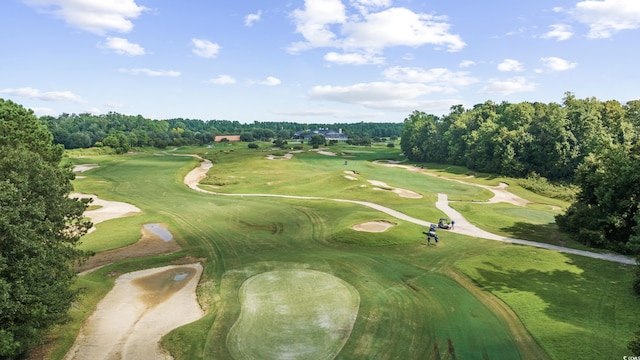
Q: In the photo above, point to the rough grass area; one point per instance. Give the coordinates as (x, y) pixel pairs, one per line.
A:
(293, 314)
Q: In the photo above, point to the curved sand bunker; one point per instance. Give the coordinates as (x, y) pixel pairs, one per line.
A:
(293, 314)
(374, 226)
(142, 307)
(401, 192)
(108, 209)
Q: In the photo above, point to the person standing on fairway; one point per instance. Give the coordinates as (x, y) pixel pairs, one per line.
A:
(452, 223)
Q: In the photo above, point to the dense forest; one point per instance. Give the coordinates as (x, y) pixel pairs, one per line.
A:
(590, 143)
(122, 132)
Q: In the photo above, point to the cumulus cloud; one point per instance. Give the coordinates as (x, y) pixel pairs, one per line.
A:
(123, 46)
(152, 73)
(223, 80)
(205, 48)
(353, 58)
(509, 65)
(251, 18)
(557, 64)
(271, 81)
(31, 93)
(509, 86)
(448, 81)
(99, 17)
(384, 95)
(560, 32)
(607, 17)
(328, 23)
(466, 63)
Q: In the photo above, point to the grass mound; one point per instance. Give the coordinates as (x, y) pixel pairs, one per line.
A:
(287, 314)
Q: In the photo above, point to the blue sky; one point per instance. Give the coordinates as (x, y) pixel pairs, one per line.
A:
(313, 61)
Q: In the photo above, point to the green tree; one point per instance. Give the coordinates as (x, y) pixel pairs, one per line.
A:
(39, 230)
(316, 141)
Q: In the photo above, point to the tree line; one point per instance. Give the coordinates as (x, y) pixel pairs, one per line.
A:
(123, 132)
(591, 143)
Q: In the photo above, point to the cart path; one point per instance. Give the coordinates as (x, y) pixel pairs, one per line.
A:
(462, 226)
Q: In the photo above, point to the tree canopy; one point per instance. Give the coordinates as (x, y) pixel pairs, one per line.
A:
(122, 132)
(39, 230)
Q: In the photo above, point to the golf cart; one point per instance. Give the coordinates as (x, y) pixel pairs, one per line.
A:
(444, 224)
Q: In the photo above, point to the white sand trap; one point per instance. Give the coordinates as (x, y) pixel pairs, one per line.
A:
(286, 156)
(143, 306)
(401, 192)
(84, 167)
(374, 226)
(327, 153)
(108, 209)
(349, 177)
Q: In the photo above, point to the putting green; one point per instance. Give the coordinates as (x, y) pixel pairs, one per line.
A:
(293, 314)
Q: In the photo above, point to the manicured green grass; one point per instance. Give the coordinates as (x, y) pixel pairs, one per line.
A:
(574, 307)
(413, 304)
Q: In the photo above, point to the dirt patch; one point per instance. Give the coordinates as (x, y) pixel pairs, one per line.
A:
(142, 307)
(374, 226)
(150, 243)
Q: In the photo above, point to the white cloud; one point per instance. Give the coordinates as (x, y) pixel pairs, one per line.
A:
(251, 18)
(123, 47)
(607, 17)
(326, 23)
(353, 58)
(313, 23)
(271, 81)
(365, 6)
(466, 63)
(205, 48)
(31, 93)
(152, 73)
(557, 64)
(560, 32)
(391, 96)
(399, 27)
(447, 80)
(510, 65)
(508, 86)
(223, 80)
(95, 16)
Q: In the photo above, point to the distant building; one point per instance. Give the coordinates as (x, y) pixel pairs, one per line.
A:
(328, 134)
(228, 137)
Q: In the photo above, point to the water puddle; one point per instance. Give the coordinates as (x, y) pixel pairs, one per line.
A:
(160, 231)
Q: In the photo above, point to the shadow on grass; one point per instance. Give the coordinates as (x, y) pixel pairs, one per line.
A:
(544, 233)
(576, 313)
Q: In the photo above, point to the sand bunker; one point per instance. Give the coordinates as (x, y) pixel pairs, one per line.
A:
(374, 226)
(142, 307)
(84, 167)
(108, 209)
(286, 156)
(401, 192)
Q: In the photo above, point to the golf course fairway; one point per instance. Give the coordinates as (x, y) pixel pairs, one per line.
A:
(290, 278)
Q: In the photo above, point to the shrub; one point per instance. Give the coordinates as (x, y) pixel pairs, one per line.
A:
(253, 145)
